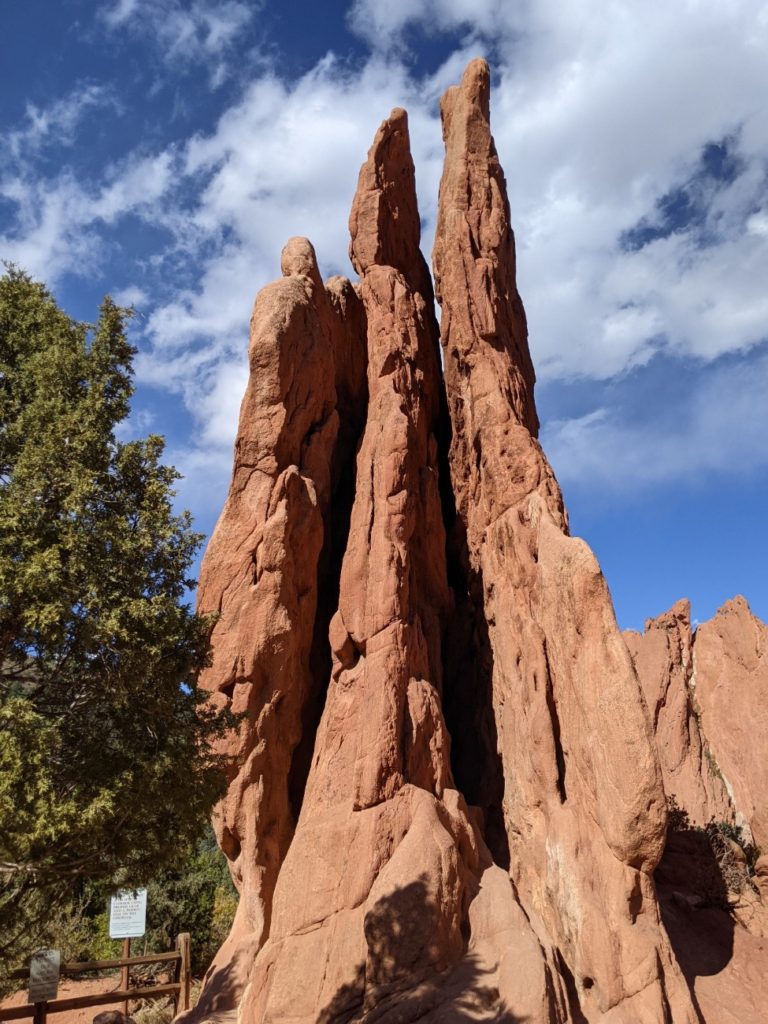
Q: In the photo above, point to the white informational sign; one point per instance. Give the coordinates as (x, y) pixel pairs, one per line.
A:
(44, 975)
(128, 914)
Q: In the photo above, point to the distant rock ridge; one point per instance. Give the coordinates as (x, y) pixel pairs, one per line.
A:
(707, 694)
(447, 795)
(707, 691)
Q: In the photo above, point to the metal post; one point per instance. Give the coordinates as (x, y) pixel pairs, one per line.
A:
(40, 1013)
(125, 977)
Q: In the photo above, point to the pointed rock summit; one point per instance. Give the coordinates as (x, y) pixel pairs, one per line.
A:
(446, 794)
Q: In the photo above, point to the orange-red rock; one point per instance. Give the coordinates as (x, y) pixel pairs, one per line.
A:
(583, 801)
(708, 696)
(706, 693)
(446, 801)
(731, 686)
(379, 891)
(664, 658)
(260, 576)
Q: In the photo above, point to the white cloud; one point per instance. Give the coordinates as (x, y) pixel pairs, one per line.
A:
(719, 426)
(186, 33)
(56, 224)
(50, 235)
(119, 12)
(131, 296)
(598, 110)
(55, 124)
(137, 184)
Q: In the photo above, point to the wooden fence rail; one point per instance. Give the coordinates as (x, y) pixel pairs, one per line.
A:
(179, 988)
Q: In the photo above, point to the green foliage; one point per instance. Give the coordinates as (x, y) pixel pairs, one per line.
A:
(197, 897)
(736, 834)
(722, 873)
(107, 770)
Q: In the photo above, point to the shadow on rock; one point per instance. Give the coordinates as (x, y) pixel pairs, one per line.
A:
(221, 993)
(696, 892)
(417, 969)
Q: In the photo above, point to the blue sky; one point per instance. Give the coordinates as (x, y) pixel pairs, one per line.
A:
(164, 150)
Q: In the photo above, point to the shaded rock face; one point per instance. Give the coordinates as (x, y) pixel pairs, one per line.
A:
(583, 831)
(706, 693)
(445, 800)
(262, 572)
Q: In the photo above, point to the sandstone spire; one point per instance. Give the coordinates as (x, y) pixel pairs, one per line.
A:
(445, 802)
(372, 898)
(260, 577)
(585, 830)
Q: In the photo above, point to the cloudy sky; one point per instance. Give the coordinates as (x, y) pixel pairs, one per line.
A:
(164, 150)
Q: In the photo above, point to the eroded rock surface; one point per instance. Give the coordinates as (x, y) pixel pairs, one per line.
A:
(664, 658)
(445, 802)
(706, 693)
(260, 575)
(584, 828)
(371, 910)
(731, 681)
(708, 696)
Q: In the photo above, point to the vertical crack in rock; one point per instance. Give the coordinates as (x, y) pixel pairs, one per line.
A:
(663, 658)
(731, 662)
(562, 678)
(468, 673)
(350, 364)
(708, 694)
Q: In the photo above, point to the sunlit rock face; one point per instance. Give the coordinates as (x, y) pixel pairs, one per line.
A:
(445, 799)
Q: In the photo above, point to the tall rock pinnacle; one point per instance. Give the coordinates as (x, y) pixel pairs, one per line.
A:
(445, 800)
(372, 897)
(583, 831)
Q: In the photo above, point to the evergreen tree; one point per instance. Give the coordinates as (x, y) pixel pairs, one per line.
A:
(107, 773)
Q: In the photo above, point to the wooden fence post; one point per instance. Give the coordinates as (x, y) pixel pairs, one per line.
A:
(40, 1013)
(185, 972)
(125, 978)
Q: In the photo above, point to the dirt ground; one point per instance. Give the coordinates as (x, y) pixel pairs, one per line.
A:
(68, 988)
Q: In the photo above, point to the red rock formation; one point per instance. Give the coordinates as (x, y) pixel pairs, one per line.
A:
(371, 908)
(445, 801)
(260, 574)
(706, 693)
(585, 830)
(663, 657)
(731, 686)
(708, 696)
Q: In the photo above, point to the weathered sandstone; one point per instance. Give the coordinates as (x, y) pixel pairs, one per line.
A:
(260, 575)
(708, 696)
(583, 802)
(731, 685)
(706, 693)
(664, 658)
(445, 800)
(371, 910)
